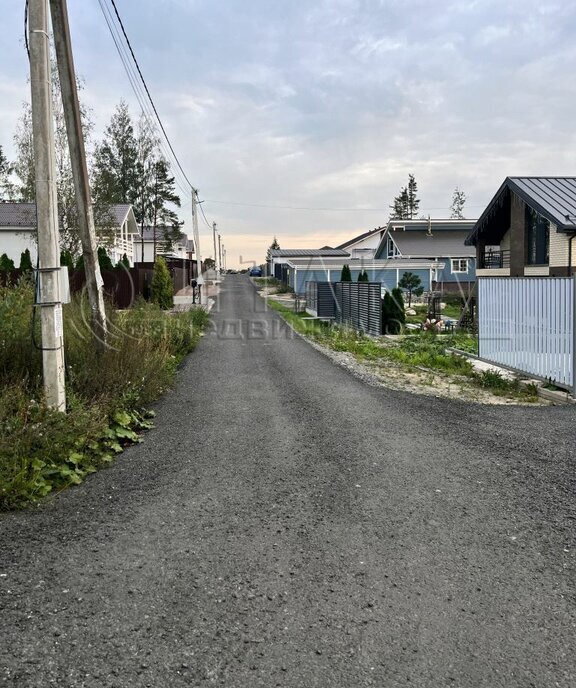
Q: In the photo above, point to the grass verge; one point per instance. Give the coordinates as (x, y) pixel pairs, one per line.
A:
(42, 451)
(421, 351)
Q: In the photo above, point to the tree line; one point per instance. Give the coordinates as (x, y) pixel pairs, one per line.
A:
(125, 166)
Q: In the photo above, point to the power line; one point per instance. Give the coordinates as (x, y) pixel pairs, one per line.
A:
(291, 207)
(148, 93)
(135, 84)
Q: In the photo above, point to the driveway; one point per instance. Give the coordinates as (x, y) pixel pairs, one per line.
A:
(287, 525)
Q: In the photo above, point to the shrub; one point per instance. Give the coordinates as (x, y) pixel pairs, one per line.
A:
(103, 259)
(346, 275)
(25, 261)
(6, 264)
(161, 287)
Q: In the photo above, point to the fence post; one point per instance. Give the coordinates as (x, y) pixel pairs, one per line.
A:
(573, 336)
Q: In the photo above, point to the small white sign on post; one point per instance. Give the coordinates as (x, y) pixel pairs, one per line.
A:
(58, 321)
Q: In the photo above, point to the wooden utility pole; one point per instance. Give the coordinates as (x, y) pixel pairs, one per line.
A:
(73, 120)
(49, 300)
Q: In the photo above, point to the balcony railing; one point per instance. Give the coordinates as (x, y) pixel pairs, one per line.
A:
(491, 260)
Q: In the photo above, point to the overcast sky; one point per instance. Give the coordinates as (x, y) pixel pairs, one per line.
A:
(331, 104)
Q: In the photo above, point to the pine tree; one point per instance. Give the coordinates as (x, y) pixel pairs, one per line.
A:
(162, 194)
(412, 284)
(274, 246)
(25, 261)
(406, 204)
(161, 287)
(346, 275)
(457, 207)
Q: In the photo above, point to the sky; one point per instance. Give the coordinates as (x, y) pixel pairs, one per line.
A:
(302, 119)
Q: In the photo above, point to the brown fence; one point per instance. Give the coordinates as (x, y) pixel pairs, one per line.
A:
(124, 285)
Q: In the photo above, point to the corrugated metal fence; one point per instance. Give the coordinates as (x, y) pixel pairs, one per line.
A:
(359, 305)
(527, 323)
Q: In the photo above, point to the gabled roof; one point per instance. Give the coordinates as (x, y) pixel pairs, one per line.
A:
(424, 245)
(18, 214)
(148, 232)
(305, 252)
(360, 237)
(552, 197)
(24, 214)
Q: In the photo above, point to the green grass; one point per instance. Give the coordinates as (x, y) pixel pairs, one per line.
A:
(42, 451)
(412, 352)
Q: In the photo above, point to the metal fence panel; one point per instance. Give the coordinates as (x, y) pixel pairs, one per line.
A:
(358, 305)
(527, 323)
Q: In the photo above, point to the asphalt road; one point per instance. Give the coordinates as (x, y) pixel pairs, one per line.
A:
(286, 524)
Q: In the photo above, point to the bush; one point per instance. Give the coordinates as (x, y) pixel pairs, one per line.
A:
(6, 264)
(162, 288)
(42, 449)
(25, 261)
(346, 275)
(393, 315)
(103, 259)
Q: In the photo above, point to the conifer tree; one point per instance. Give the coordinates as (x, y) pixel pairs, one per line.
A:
(346, 275)
(162, 287)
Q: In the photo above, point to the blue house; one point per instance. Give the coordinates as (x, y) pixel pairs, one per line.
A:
(440, 241)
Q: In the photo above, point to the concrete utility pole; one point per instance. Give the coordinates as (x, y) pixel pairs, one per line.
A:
(73, 121)
(215, 253)
(49, 300)
(199, 278)
(219, 253)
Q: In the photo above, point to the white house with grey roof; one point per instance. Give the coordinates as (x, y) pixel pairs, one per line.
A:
(161, 241)
(364, 245)
(18, 231)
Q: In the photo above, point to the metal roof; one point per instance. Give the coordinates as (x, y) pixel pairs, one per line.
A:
(148, 233)
(24, 214)
(552, 197)
(18, 215)
(438, 244)
(304, 252)
(320, 263)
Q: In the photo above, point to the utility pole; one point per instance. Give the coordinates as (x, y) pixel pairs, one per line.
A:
(215, 253)
(224, 257)
(49, 300)
(199, 278)
(63, 43)
(219, 253)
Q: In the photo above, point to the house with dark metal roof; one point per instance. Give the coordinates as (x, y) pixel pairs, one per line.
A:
(18, 231)
(527, 229)
(437, 240)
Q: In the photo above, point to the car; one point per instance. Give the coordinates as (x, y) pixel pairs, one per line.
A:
(255, 272)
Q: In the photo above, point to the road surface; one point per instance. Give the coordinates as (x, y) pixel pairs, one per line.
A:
(286, 524)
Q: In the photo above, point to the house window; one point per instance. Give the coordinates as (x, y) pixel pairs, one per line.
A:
(459, 264)
(391, 250)
(537, 238)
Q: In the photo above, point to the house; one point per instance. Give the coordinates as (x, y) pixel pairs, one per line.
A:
(299, 270)
(278, 258)
(437, 240)
(18, 231)
(527, 228)
(364, 245)
(170, 242)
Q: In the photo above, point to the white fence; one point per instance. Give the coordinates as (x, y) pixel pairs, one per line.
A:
(527, 323)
